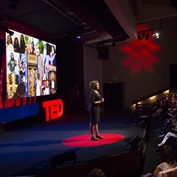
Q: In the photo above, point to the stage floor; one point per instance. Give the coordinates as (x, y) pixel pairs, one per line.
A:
(26, 149)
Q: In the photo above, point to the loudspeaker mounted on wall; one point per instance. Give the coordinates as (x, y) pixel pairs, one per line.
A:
(103, 53)
(134, 142)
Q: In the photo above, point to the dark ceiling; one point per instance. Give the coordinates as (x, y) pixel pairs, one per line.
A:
(96, 20)
(51, 19)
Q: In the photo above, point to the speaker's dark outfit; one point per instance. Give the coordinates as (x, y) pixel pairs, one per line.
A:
(94, 109)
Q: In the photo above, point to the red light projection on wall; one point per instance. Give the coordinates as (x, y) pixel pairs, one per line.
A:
(53, 109)
(140, 54)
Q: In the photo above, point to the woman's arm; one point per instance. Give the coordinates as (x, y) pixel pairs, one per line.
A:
(156, 171)
(100, 101)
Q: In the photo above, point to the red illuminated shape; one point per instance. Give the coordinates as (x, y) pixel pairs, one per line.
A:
(140, 55)
(53, 109)
(16, 102)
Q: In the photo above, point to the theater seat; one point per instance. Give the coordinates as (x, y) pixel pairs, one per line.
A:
(168, 173)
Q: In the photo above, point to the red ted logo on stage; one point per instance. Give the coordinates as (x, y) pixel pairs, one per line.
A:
(53, 109)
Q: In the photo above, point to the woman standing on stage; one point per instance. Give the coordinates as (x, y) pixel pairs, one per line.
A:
(94, 109)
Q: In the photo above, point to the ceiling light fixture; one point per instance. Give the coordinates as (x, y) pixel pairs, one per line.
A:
(157, 35)
(146, 34)
(78, 36)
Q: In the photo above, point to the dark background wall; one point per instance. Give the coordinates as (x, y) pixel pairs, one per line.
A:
(148, 79)
(70, 73)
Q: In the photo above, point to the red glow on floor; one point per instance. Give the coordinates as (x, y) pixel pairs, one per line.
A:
(84, 140)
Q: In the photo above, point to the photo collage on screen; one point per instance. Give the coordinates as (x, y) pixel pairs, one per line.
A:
(31, 66)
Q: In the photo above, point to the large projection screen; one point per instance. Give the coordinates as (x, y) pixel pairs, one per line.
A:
(30, 66)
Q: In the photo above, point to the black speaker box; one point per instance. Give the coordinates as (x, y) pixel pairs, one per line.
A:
(61, 159)
(134, 142)
(103, 53)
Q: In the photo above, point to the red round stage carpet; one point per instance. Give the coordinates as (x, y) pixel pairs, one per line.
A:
(84, 140)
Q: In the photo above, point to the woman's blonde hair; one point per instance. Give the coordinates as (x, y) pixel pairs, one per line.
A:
(93, 83)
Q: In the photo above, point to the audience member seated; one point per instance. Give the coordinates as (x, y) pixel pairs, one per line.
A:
(170, 112)
(136, 114)
(167, 159)
(139, 114)
(173, 101)
(155, 106)
(168, 117)
(168, 125)
(160, 108)
(96, 173)
(167, 136)
(168, 173)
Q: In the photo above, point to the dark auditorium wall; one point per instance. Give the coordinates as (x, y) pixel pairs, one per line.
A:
(147, 80)
(92, 68)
